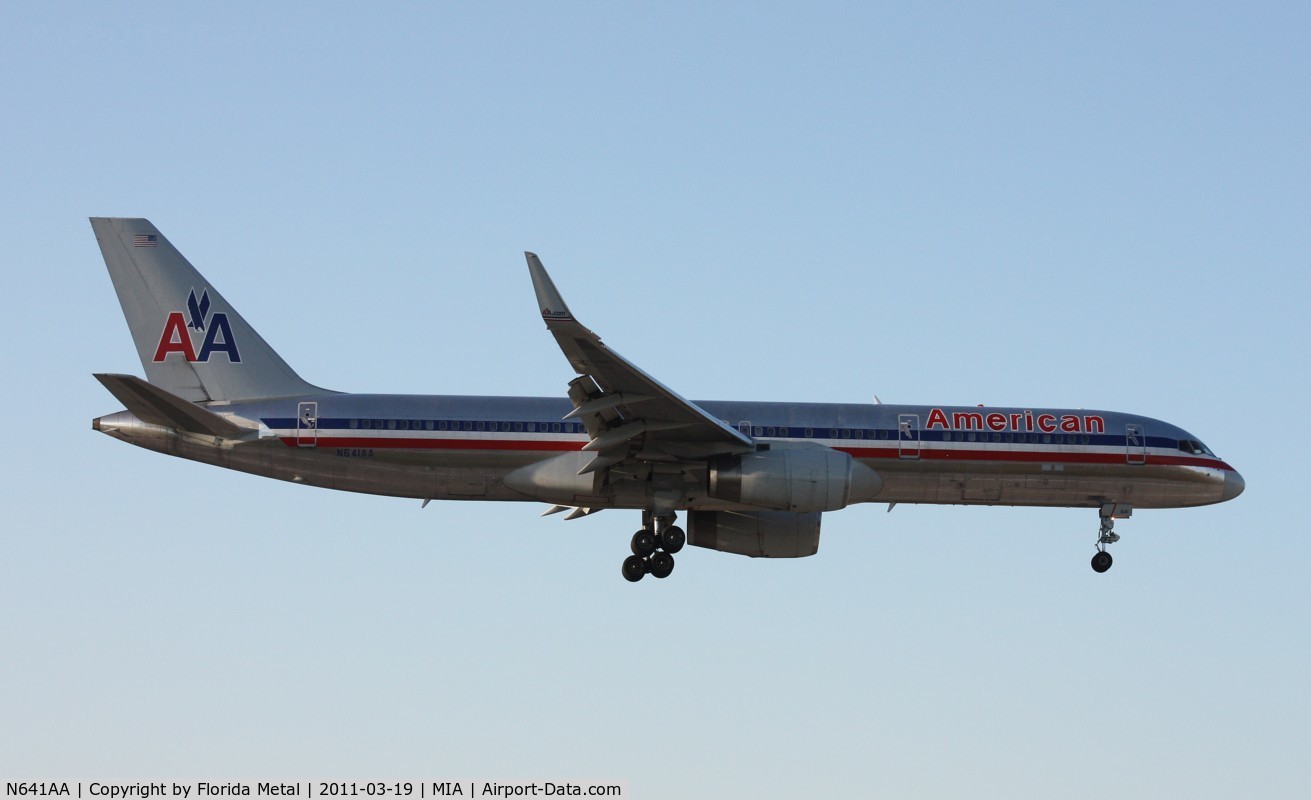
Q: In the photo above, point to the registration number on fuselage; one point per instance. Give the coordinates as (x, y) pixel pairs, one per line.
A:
(355, 452)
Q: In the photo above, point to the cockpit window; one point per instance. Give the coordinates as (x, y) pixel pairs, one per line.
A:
(1194, 447)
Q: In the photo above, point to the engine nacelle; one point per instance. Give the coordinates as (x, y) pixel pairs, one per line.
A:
(799, 480)
(759, 534)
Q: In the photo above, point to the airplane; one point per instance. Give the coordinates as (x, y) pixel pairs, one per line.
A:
(753, 478)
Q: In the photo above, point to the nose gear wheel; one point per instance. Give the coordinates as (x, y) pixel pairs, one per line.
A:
(1106, 535)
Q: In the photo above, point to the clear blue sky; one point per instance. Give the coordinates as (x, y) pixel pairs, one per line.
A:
(1104, 207)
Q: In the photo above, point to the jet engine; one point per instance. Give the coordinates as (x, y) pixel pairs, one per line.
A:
(796, 479)
(759, 534)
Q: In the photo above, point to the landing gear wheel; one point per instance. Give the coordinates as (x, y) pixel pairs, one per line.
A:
(644, 543)
(653, 547)
(672, 539)
(1101, 561)
(635, 568)
(661, 564)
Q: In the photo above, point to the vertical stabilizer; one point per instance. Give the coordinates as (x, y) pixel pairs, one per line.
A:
(192, 343)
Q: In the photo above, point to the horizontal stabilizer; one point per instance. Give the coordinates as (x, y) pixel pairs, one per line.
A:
(154, 405)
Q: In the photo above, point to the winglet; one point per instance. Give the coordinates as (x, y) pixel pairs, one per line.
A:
(548, 297)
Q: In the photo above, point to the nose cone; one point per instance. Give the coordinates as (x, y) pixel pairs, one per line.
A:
(1234, 486)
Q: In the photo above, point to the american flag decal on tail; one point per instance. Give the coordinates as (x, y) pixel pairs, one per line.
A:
(145, 240)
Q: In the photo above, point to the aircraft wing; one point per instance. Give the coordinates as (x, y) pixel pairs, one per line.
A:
(629, 415)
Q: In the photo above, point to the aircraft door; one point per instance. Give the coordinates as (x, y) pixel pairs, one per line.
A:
(307, 424)
(908, 435)
(1135, 443)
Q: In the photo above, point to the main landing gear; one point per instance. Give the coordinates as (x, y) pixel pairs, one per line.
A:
(1109, 513)
(654, 547)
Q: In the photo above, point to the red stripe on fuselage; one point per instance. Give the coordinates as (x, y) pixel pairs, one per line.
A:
(1030, 456)
(439, 444)
(888, 453)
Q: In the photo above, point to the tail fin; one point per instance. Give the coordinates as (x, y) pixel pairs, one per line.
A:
(192, 343)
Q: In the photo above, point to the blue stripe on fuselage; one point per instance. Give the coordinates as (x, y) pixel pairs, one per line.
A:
(868, 436)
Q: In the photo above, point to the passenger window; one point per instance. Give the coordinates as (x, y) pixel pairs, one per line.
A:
(518, 427)
(759, 431)
(532, 427)
(946, 436)
(859, 434)
(468, 426)
(403, 425)
(482, 426)
(971, 437)
(355, 423)
(428, 425)
(555, 427)
(832, 433)
(810, 433)
(1046, 438)
(1010, 437)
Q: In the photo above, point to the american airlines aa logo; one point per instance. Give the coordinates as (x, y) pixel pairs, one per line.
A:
(179, 330)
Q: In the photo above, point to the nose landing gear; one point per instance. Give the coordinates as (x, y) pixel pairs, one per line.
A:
(653, 548)
(1109, 513)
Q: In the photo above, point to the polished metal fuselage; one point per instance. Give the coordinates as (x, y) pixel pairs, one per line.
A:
(467, 448)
